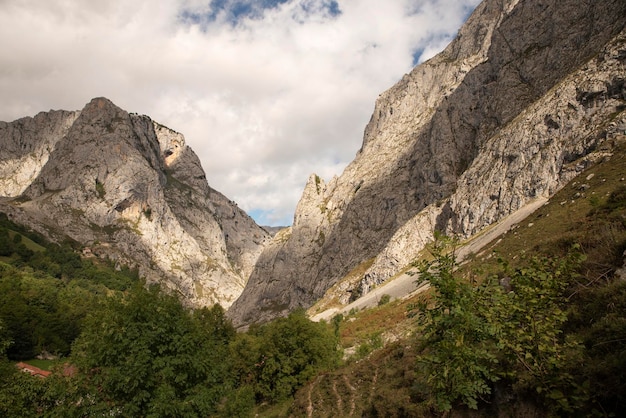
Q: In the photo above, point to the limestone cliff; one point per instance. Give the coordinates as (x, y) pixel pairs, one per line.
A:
(506, 113)
(131, 190)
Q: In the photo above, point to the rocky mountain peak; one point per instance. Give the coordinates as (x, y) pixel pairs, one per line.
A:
(129, 189)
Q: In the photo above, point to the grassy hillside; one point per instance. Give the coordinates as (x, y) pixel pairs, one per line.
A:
(589, 214)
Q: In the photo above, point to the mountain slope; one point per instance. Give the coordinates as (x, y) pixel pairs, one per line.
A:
(129, 189)
(589, 211)
(502, 116)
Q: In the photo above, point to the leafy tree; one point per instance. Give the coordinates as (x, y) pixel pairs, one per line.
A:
(530, 322)
(19, 317)
(458, 360)
(293, 350)
(6, 245)
(146, 355)
(17, 238)
(19, 392)
(23, 251)
(474, 335)
(41, 313)
(5, 339)
(336, 323)
(279, 357)
(239, 403)
(601, 324)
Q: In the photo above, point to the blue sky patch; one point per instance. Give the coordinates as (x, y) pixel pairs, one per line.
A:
(234, 11)
(416, 56)
(268, 217)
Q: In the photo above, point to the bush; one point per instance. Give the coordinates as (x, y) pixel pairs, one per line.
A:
(473, 336)
(279, 357)
(146, 355)
(457, 359)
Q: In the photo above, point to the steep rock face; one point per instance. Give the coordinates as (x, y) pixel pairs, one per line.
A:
(532, 157)
(26, 145)
(463, 118)
(129, 189)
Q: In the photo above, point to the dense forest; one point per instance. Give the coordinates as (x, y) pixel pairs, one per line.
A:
(133, 349)
(46, 290)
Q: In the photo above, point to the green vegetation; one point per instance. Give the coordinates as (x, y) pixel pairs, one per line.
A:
(457, 363)
(137, 351)
(475, 335)
(100, 189)
(143, 354)
(384, 299)
(46, 291)
(43, 364)
(146, 355)
(372, 342)
(274, 360)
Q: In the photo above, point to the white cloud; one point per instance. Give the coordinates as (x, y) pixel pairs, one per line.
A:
(263, 100)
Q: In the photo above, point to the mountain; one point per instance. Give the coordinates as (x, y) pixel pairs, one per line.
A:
(507, 114)
(129, 189)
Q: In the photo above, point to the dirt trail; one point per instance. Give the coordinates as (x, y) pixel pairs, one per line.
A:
(494, 231)
(405, 286)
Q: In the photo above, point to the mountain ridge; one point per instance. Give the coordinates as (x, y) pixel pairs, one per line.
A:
(431, 129)
(129, 189)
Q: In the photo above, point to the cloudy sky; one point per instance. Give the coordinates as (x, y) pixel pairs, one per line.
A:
(266, 92)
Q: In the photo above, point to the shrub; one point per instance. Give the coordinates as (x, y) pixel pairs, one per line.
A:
(474, 335)
(100, 189)
(457, 359)
(279, 357)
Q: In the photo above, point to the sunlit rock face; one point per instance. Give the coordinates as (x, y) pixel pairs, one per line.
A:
(507, 113)
(131, 190)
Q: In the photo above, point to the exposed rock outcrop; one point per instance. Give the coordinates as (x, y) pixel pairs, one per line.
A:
(131, 190)
(26, 146)
(505, 114)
